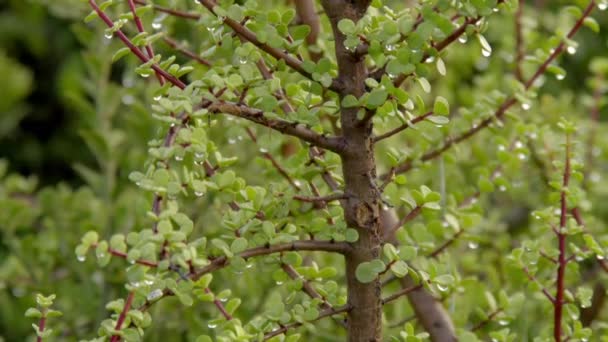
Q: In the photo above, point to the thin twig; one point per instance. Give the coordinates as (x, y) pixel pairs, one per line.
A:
(402, 127)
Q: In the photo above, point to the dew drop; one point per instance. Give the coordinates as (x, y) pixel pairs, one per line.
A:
(525, 106)
(157, 25)
(148, 282)
(536, 217)
(157, 98)
(212, 325)
(486, 53)
(579, 258)
(502, 188)
(297, 183)
(145, 74)
(462, 39)
(154, 294)
(108, 35)
(243, 60)
(101, 255)
(495, 9)
(519, 144)
(501, 147)
(503, 322)
(279, 282)
(81, 258)
(263, 150)
(442, 288)
(600, 257)
(571, 50)
(231, 141)
(198, 194)
(221, 18)
(473, 245)
(602, 6)
(199, 155)
(223, 299)
(390, 47)
(560, 77)
(521, 156)
(179, 158)
(132, 261)
(249, 265)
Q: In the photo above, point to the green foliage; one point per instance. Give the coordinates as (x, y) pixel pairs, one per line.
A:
(201, 208)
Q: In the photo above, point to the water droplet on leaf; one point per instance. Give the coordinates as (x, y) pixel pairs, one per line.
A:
(155, 294)
(81, 258)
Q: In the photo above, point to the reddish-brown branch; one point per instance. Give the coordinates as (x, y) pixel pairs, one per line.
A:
(446, 244)
(173, 12)
(137, 52)
(123, 316)
(295, 129)
(401, 293)
(487, 320)
(519, 42)
(531, 277)
(558, 304)
(324, 199)
(308, 15)
(407, 218)
(41, 326)
(301, 245)
(141, 29)
(402, 127)
(440, 46)
(174, 45)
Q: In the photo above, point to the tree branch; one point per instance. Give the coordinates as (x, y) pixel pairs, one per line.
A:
(137, 52)
(400, 293)
(334, 144)
(308, 15)
(300, 245)
(173, 44)
(402, 127)
(175, 13)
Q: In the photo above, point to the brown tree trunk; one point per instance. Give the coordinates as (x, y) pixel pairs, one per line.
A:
(361, 208)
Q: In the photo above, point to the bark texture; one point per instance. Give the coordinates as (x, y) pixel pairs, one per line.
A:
(361, 208)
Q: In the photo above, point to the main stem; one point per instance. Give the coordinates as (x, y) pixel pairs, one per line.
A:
(361, 208)
(562, 261)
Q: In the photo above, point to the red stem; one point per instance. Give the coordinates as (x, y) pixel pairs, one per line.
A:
(140, 28)
(558, 304)
(41, 325)
(123, 315)
(137, 52)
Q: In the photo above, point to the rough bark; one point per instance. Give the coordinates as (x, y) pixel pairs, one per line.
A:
(361, 208)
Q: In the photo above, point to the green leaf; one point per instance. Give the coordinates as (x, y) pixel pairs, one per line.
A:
(441, 107)
(351, 235)
(346, 26)
(350, 101)
(399, 269)
(424, 83)
(33, 313)
(376, 98)
(238, 245)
